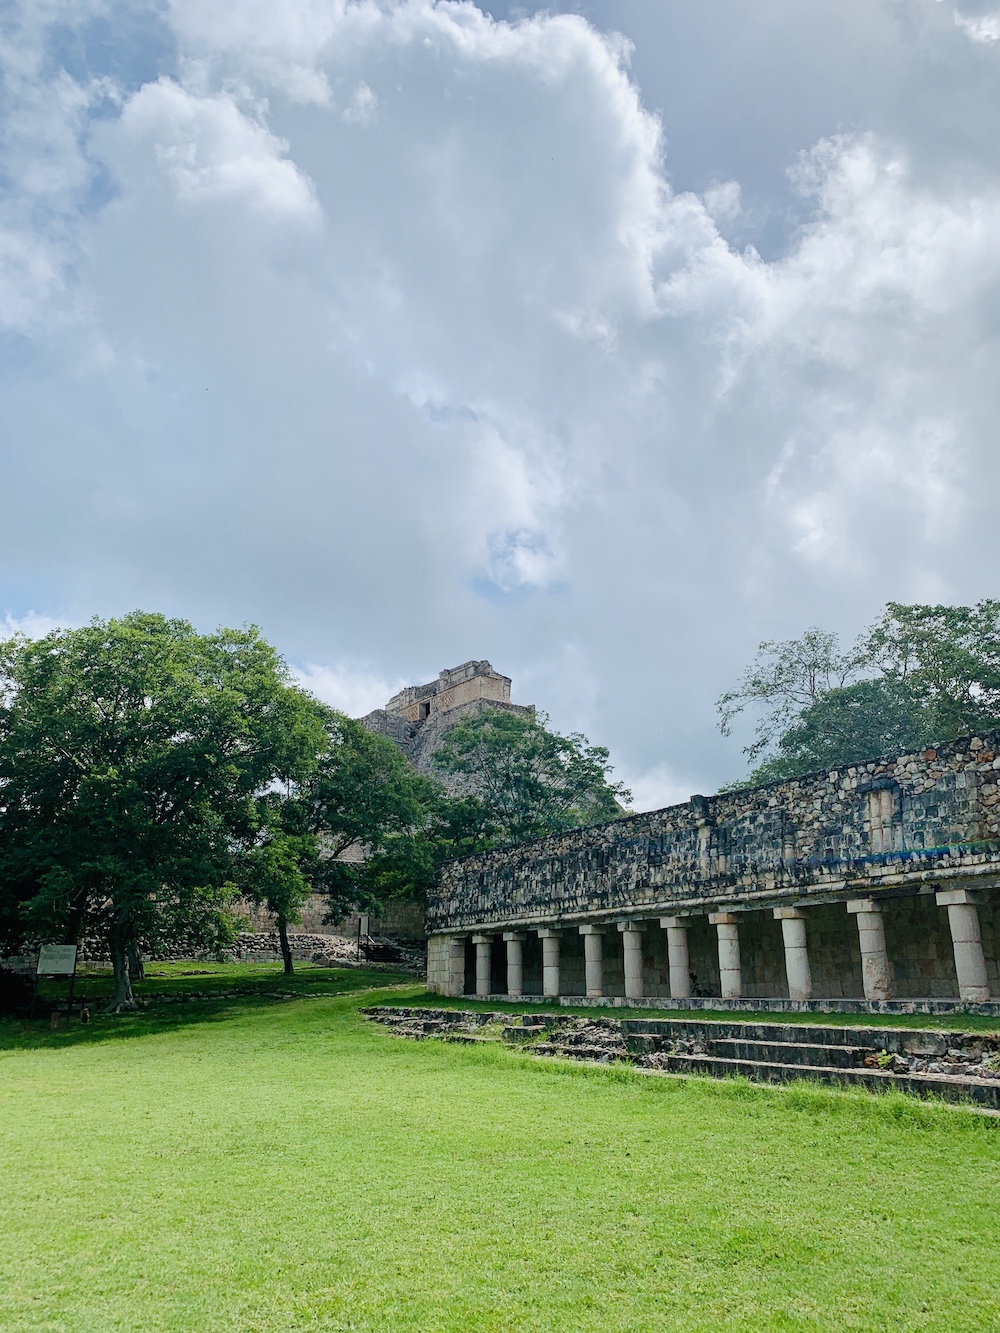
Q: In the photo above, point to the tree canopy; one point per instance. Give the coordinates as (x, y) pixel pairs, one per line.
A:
(132, 755)
(509, 779)
(529, 781)
(919, 674)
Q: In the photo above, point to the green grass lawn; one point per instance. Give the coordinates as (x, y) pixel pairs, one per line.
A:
(251, 1165)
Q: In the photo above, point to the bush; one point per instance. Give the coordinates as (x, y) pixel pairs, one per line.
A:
(15, 991)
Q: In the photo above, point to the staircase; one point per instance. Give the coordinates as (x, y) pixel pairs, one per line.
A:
(957, 1066)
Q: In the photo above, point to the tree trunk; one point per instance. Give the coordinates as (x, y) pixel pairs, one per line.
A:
(136, 967)
(286, 952)
(124, 999)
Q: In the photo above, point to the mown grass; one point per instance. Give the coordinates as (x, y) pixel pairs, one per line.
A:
(251, 1165)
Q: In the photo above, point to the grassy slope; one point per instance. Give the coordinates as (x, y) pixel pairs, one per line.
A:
(246, 1165)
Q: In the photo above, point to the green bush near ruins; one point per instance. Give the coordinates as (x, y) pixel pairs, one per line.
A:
(259, 1165)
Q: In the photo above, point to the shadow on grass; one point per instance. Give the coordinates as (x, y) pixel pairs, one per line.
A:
(158, 1018)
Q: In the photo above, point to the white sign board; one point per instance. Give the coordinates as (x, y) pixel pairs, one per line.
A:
(56, 960)
(363, 925)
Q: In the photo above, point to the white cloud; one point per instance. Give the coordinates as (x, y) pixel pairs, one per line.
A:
(981, 28)
(386, 329)
(210, 149)
(32, 625)
(354, 690)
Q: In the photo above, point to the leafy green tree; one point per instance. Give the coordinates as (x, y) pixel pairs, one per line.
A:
(408, 863)
(919, 674)
(275, 873)
(132, 756)
(320, 833)
(785, 678)
(525, 780)
(844, 726)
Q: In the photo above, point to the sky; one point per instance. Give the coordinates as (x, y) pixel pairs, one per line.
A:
(601, 340)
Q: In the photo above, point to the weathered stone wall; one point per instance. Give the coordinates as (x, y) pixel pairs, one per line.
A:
(417, 718)
(892, 824)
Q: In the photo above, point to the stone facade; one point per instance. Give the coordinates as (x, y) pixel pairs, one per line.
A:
(417, 718)
(876, 882)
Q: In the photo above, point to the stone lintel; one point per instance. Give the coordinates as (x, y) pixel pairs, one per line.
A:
(592, 930)
(859, 905)
(957, 898)
(511, 936)
(482, 939)
(723, 919)
(788, 914)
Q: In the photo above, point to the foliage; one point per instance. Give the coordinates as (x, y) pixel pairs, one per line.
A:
(526, 780)
(132, 753)
(785, 678)
(318, 834)
(920, 674)
(408, 864)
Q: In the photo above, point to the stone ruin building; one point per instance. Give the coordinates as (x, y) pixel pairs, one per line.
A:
(872, 887)
(417, 717)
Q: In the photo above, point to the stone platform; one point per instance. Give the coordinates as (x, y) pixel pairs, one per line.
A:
(955, 1066)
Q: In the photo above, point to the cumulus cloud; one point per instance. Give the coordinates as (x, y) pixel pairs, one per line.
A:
(383, 325)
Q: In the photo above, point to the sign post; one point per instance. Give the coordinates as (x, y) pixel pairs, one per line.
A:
(56, 960)
(363, 923)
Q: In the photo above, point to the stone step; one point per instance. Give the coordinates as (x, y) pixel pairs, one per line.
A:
(982, 1092)
(901, 1041)
(788, 1053)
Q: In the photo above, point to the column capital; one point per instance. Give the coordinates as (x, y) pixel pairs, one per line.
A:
(592, 930)
(482, 939)
(630, 926)
(723, 919)
(675, 922)
(511, 936)
(788, 914)
(956, 898)
(858, 905)
(548, 933)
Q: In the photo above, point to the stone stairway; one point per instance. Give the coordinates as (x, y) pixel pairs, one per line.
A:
(957, 1066)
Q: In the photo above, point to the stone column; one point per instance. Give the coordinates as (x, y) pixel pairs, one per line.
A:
(631, 932)
(727, 924)
(594, 954)
(875, 970)
(677, 955)
(484, 948)
(515, 963)
(456, 965)
(797, 970)
(550, 961)
(970, 961)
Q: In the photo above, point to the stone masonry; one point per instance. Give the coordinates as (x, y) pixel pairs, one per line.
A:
(875, 883)
(417, 718)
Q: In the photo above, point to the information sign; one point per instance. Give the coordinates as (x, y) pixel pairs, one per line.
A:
(56, 960)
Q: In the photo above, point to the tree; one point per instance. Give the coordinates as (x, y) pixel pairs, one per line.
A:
(785, 678)
(319, 834)
(408, 863)
(919, 674)
(275, 874)
(132, 756)
(523, 781)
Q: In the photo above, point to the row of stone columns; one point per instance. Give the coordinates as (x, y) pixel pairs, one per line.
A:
(963, 918)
